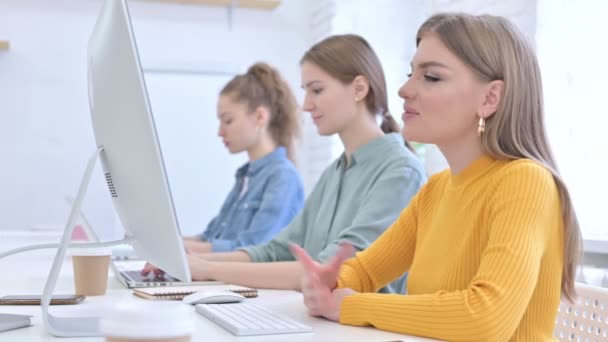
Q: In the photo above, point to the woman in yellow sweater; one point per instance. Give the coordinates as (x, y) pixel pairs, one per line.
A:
(491, 243)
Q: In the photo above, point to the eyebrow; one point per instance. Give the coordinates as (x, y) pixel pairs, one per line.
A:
(310, 83)
(430, 64)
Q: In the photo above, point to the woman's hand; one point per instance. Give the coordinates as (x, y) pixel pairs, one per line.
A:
(320, 301)
(196, 262)
(327, 274)
(199, 267)
(319, 282)
(151, 268)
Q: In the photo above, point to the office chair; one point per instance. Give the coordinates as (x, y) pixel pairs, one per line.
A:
(586, 319)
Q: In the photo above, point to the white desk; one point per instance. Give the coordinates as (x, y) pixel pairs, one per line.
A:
(26, 274)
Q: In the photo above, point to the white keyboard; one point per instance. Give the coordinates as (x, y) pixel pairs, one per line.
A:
(247, 319)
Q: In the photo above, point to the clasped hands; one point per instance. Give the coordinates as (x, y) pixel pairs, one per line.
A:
(319, 281)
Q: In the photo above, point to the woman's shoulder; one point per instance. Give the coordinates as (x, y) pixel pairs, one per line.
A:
(436, 182)
(283, 168)
(524, 175)
(523, 169)
(400, 156)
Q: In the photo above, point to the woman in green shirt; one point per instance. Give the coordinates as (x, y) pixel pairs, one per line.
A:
(358, 196)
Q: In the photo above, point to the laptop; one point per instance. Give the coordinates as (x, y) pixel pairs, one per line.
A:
(127, 267)
(128, 273)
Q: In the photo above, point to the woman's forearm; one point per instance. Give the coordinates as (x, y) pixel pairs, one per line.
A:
(197, 246)
(268, 275)
(236, 256)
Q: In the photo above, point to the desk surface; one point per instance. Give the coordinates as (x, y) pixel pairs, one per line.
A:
(26, 274)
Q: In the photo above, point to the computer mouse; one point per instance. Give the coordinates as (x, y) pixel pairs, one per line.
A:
(213, 297)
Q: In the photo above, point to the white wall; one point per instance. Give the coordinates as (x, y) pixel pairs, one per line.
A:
(522, 12)
(46, 135)
(571, 59)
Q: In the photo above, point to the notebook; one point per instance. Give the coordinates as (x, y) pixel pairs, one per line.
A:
(10, 321)
(179, 292)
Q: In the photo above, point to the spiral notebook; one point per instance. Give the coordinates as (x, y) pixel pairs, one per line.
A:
(179, 292)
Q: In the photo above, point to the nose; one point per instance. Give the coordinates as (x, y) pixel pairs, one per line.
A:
(406, 91)
(220, 132)
(308, 104)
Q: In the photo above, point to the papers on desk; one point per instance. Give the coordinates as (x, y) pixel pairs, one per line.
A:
(10, 321)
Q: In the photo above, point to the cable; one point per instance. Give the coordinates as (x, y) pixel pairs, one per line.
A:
(57, 245)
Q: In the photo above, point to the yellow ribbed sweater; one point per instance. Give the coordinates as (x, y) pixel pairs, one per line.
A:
(484, 252)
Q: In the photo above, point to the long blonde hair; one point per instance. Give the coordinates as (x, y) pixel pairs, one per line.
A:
(494, 49)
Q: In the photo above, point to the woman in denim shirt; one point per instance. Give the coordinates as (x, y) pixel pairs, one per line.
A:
(357, 197)
(258, 114)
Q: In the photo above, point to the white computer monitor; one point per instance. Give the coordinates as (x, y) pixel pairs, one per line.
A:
(132, 161)
(128, 148)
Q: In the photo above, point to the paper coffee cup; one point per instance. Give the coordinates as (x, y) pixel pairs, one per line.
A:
(91, 270)
(137, 321)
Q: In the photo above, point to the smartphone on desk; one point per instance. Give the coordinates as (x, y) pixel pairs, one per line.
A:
(35, 299)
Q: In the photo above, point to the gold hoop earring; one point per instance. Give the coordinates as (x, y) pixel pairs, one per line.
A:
(482, 126)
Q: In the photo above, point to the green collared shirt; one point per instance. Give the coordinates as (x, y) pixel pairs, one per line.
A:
(352, 203)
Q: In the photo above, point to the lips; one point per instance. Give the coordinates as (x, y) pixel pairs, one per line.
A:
(315, 119)
(410, 110)
(409, 113)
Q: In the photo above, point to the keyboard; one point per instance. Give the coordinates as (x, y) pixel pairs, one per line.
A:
(246, 319)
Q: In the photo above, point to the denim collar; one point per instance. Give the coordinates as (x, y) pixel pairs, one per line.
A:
(253, 167)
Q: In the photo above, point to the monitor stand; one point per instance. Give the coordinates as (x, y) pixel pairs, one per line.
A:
(73, 326)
